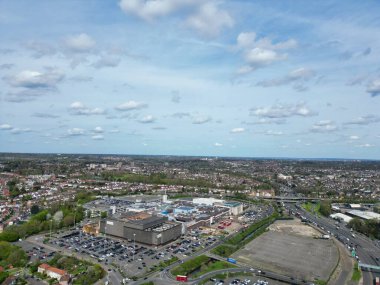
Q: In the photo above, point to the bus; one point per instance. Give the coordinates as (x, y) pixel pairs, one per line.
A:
(181, 278)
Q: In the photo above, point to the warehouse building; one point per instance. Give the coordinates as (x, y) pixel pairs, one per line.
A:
(142, 227)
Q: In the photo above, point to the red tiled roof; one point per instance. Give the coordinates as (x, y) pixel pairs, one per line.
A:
(47, 267)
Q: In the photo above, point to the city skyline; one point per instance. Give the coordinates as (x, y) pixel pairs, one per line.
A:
(197, 78)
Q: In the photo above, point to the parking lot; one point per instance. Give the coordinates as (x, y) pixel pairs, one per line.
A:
(290, 249)
(131, 258)
(243, 280)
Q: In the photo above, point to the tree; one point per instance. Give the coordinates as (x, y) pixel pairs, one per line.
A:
(68, 220)
(103, 215)
(325, 208)
(34, 209)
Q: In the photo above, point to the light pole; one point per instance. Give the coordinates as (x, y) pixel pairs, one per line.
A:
(134, 246)
(51, 222)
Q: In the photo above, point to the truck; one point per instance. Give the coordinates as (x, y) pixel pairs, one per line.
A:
(181, 278)
(231, 260)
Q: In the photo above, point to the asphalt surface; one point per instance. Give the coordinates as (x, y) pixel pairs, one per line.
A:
(366, 248)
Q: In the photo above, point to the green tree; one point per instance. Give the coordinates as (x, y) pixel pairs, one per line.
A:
(34, 209)
(325, 208)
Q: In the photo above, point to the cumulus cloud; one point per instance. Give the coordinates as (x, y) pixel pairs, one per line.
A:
(147, 119)
(5, 127)
(373, 87)
(131, 105)
(199, 120)
(282, 111)
(98, 130)
(36, 79)
(80, 43)
(324, 126)
(97, 137)
(258, 53)
(204, 17)
(298, 75)
(75, 132)
(354, 137)
(218, 144)
(78, 108)
(210, 20)
(364, 120)
(237, 130)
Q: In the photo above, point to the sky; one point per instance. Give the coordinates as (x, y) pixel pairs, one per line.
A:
(234, 78)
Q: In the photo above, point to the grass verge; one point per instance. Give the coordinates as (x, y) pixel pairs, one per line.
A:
(356, 274)
(200, 265)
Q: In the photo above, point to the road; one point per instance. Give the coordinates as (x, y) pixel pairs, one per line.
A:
(366, 249)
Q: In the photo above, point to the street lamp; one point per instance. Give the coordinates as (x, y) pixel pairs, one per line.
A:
(51, 221)
(134, 246)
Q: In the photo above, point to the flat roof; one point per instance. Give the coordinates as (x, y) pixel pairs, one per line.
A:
(367, 215)
(341, 216)
(232, 204)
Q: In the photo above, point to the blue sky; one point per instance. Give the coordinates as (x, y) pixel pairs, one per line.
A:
(191, 77)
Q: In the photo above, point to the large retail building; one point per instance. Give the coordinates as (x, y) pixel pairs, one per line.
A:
(141, 227)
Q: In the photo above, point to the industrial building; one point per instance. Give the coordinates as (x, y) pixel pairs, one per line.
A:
(142, 227)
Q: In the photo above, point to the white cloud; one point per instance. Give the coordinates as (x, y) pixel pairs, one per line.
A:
(283, 111)
(298, 75)
(75, 132)
(210, 20)
(97, 137)
(273, 133)
(366, 145)
(237, 130)
(147, 119)
(199, 120)
(131, 105)
(35, 79)
(78, 108)
(324, 126)
(98, 130)
(258, 53)
(218, 144)
(365, 120)
(80, 43)
(258, 57)
(246, 40)
(151, 9)
(17, 131)
(373, 87)
(5, 127)
(353, 137)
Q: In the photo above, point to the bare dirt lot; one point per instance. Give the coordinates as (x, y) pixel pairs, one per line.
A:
(289, 248)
